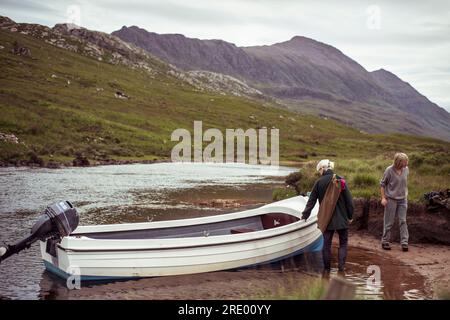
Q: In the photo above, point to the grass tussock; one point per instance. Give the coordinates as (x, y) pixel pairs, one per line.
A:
(443, 294)
(428, 171)
(305, 289)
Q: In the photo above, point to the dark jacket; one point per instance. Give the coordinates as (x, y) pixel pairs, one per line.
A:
(344, 206)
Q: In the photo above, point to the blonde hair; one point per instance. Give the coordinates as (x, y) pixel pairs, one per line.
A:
(399, 158)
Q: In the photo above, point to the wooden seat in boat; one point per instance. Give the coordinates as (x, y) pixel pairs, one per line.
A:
(274, 220)
(241, 230)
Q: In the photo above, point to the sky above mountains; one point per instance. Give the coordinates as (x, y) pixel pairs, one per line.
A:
(408, 38)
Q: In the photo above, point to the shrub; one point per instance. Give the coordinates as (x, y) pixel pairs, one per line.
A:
(303, 155)
(380, 167)
(445, 169)
(362, 180)
(302, 181)
(34, 158)
(439, 159)
(427, 169)
(308, 289)
(293, 178)
(283, 193)
(365, 193)
(416, 160)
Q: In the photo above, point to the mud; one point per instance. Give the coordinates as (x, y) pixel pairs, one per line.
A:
(420, 273)
(431, 261)
(291, 278)
(424, 227)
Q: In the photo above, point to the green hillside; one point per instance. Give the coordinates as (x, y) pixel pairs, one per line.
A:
(60, 104)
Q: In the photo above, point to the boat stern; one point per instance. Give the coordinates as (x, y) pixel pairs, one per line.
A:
(55, 260)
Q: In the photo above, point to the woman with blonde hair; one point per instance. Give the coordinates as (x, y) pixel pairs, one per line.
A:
(394, 198)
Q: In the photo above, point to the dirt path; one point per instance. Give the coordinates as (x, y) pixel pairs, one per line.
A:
(431, 261)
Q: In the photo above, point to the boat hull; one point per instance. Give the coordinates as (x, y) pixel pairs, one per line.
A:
(117, 259)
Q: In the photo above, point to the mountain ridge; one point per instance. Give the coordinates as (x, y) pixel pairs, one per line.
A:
(64, 97)
(306, 75)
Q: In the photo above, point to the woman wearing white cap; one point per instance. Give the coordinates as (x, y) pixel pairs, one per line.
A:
(341, 216)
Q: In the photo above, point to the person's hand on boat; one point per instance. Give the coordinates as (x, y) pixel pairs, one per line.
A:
(2, 251)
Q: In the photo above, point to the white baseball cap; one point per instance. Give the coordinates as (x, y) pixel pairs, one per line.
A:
(325, 164)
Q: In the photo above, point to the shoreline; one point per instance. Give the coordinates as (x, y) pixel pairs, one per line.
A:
(111, 162)
(293, 278)
(432, 261)
(428, 262)
(64, 165)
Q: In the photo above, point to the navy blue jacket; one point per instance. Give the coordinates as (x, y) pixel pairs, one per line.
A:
(344, 206)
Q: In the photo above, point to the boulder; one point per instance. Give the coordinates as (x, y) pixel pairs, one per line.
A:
(21, 50)
(80, 161)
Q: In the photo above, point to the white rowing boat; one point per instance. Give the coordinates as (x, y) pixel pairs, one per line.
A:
(222, 242)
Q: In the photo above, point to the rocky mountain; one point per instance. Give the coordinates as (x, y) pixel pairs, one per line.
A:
(111, 49)
(308, 76)
(411, 101)
(74, 96)
(99, 45)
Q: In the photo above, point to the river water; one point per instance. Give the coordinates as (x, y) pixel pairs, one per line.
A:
(147, 192)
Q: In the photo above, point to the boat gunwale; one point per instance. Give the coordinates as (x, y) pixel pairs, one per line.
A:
(181, 222)
(243, 237)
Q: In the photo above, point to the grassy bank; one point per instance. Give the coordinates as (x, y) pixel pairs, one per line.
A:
(61, 104)
(428, 171)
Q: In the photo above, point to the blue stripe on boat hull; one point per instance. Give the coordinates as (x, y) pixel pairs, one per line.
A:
(313, 247)
(60, 273)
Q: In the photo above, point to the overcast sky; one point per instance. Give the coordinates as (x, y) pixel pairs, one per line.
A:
(408, 38)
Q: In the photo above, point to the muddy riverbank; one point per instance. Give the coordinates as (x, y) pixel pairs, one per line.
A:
(34, 162)
(431, 261)
(424, 227)
(428, 260)
(294, 278)
(137, 193)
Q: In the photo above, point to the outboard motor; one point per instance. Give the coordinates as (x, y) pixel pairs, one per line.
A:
(57, 221)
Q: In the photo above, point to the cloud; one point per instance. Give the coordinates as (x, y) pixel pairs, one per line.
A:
(26, 6)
